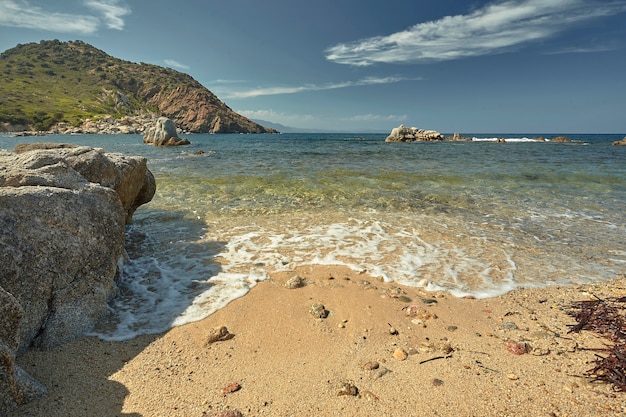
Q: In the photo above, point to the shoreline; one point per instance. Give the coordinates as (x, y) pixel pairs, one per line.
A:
(447, 356)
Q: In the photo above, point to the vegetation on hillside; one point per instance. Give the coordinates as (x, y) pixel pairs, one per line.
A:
(51, 81)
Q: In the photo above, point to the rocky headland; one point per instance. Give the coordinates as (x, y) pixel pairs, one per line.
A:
(73, 87)
(63, 211)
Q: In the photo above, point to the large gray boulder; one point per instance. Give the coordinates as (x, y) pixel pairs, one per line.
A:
(412, 134)
(63, 209)
(163, 133)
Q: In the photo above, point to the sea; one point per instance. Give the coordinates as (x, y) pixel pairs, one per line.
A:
(476, 218)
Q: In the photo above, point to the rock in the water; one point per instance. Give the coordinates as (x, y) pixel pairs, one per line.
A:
(561, 139)
(620, 142)
(413, 134)
(163, 133)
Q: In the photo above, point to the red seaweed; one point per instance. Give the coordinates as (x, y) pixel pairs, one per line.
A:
(608, 319)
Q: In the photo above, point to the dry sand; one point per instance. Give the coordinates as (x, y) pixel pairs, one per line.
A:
(282, 361)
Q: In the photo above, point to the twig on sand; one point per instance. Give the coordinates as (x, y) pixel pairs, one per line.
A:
(435, 358)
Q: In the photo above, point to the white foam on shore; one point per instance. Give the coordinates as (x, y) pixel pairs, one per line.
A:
(174, 281)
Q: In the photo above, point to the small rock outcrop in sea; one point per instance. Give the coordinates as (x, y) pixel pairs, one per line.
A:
(63, 209)
(163, 133)
(413, 134)
(561, 139)
(620, 142)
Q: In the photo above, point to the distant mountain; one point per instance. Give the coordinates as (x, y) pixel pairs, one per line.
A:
(291, 129)
(53, 82)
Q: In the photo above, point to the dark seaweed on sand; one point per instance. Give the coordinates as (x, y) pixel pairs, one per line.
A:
(608, 319)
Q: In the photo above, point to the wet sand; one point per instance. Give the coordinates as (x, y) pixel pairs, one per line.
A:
(382, 350)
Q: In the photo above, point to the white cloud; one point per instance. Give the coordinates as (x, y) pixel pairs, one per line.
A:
(581, 50)
(276, 117)
(112, 12)
(494, 28)
(175, 64)
(267, 91)
(22, 14)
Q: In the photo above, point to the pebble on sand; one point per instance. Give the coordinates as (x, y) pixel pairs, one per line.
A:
(516, 348)
(230, 388)
(348, 388)
(294, 282)
(319, 311)
(218, 334)
(400, 354)
(228, 413)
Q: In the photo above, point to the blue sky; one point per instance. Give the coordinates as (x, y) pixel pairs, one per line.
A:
(536, 66)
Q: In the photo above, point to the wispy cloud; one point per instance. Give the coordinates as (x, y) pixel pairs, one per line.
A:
(278, 117)
(175, 64)
(268, 91)
(112, 12)
(494, 28)
(22, 14)
(582, 50)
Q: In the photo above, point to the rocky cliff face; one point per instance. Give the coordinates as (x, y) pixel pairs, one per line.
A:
(62, 214)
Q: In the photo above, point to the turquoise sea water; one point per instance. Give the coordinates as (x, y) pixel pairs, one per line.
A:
(476, 218)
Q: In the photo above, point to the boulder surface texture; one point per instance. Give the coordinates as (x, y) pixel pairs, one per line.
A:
(63, 210)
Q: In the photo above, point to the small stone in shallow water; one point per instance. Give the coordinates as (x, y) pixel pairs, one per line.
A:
(319, 311)
(348, 388)
(294, 282)
(451, 328)
(437, 382)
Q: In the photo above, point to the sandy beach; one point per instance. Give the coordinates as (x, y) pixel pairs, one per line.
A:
(381, 350)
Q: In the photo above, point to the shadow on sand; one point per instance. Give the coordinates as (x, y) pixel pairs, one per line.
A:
(77, 374)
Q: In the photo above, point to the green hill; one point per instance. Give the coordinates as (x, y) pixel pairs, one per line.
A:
(52, 82)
